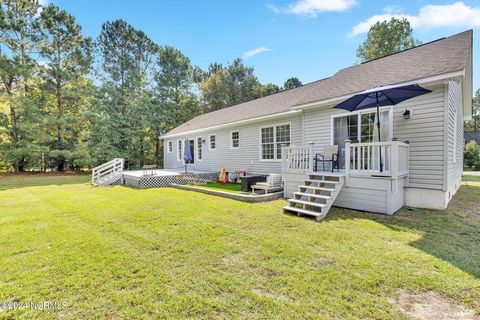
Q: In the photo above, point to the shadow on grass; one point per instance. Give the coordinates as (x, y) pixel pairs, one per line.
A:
(37, 180)
(452, 235)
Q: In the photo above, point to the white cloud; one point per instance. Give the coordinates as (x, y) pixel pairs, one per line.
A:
(311, 8)
(457, 14)
(254, 52)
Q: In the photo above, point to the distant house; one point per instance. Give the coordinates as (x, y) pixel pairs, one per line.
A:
(469, 136)
(281, 133)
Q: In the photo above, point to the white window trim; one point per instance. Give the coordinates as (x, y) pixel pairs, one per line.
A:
(196, 148)
(455, 135)
(170, 142)
(180, 151)
(274, 140)
(231, 140)
(370, 110)
(209, 142)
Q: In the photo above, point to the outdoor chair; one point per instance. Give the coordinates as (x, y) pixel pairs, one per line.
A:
(274, 183)
(330, 154)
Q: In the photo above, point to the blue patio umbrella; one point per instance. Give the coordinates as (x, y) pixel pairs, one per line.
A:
(187, 154)
(386, 96)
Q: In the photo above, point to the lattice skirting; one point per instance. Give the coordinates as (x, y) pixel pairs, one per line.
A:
(165, 181)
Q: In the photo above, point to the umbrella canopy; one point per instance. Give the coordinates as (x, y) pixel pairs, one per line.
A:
(187, 154)
(386, 96)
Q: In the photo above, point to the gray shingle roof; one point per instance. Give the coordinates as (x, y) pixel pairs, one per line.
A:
(431, 59)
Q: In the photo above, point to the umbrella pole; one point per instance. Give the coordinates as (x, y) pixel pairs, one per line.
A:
(379, 135)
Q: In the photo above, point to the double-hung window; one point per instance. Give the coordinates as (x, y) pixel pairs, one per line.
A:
(199, 148)
(235, 139)
(170, 146)
(213, 142)
(272, 139)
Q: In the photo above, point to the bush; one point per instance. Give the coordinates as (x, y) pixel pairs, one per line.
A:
(472, 155)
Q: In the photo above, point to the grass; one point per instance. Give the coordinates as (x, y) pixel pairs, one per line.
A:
(230, 187)
(122, 253)
(471, 178)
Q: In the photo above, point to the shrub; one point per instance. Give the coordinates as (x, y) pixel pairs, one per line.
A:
(472, 155)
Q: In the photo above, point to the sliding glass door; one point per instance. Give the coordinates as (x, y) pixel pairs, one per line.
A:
(359, 128)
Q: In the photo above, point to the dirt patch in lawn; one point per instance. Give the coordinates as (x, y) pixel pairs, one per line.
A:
(431, 305)
(266, 294)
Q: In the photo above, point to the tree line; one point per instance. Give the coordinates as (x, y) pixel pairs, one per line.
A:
(70, 102)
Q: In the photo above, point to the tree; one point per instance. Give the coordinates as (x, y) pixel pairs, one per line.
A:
(387, 37)
(222, 87)
(474, 124)
(292, 83)
(267, 89)
(67, 58)
(18, 39)
(123, 106)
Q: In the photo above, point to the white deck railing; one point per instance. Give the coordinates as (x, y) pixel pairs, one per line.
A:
(360, 159)
(297, 159)
(364, 158)
(108, 168)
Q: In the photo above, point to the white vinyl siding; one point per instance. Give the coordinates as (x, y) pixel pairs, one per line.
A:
(455, 135)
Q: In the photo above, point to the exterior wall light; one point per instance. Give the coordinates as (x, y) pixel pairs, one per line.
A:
(407, 114)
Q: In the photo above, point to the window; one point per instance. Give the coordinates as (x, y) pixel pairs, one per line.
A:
(272, 139)
(267, 142)
(170, 146)
(213, 142)
(179, 150)
(282, 138)
(199, 148)
(235, 139)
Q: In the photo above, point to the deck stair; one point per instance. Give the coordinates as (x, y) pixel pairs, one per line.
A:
(316, 196)
(108, 173)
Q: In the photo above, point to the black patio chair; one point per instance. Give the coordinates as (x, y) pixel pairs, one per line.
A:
(330, 154)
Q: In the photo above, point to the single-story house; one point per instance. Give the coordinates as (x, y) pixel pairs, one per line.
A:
(282, 133)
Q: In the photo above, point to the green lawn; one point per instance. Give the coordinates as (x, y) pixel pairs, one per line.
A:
(229, 187)
(122, 253)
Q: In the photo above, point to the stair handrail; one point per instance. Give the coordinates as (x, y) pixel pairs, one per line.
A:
(113, 166)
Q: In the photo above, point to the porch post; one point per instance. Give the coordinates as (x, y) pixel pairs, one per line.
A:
(347, 159)
(310, 158)
(394, 164)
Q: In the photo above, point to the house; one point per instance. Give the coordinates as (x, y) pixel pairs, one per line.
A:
(281, 133)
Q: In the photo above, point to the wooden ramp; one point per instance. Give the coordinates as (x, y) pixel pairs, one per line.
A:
(316, 196)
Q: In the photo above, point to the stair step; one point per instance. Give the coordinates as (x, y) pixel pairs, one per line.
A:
(317, 188)
(308, 203)
(322, 181)
(319, 196)
(318, 215)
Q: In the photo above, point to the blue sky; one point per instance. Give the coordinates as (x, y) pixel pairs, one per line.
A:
(310, 39)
